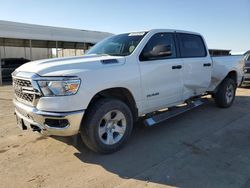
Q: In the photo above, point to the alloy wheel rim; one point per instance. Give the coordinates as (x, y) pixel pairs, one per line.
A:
(112, 127)
(229, 93)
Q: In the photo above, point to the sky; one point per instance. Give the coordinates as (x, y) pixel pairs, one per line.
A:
(225, 24)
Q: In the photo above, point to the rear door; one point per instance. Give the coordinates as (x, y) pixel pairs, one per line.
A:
(197, 64)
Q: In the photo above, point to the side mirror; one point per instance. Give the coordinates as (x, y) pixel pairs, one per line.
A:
(162, 51)
(165, 53)
(158, 51)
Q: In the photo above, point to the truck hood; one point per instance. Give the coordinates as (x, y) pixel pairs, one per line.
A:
(71, 66)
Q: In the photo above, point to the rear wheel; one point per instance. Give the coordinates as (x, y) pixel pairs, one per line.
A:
(225, 95)
(107, 125)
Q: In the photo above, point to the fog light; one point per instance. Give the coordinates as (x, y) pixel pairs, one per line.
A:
(57, 123)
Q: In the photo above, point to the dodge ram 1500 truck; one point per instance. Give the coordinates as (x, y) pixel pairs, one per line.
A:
(101, 94)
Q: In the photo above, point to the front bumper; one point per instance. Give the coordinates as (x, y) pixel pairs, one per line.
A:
(34, 119)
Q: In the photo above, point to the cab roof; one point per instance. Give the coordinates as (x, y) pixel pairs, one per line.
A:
(167, 30)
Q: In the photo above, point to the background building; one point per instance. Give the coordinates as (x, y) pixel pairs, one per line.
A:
(32, 42)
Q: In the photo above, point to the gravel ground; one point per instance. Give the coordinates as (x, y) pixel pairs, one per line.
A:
(205, 147)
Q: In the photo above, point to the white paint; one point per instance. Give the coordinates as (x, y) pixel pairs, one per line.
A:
(140, 78)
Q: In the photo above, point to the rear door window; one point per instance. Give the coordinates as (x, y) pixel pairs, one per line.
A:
(191, 45)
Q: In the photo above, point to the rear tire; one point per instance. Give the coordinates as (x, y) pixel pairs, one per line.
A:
(107, 125)
(225, 94)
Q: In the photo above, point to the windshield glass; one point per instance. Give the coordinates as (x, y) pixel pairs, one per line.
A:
(118, 45)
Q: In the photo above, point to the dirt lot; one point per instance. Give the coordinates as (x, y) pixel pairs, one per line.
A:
(205, 147)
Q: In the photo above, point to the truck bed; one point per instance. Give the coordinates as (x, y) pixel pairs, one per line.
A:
(221, 65)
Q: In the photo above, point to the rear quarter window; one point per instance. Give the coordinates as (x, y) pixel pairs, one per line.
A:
(191, 45)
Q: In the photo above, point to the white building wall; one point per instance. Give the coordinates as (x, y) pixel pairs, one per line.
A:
(70, 52)
(21, 52)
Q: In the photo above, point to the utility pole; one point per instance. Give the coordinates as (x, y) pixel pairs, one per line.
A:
(31, 58)
(56, 49)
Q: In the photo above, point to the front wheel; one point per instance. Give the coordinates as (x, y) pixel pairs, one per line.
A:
(225, 94)
(107, 125)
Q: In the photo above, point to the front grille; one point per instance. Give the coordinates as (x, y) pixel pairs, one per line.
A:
(25, 96)
(21, 82)
(23, 90)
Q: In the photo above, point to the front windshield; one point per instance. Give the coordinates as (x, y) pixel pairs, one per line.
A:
(118, 45)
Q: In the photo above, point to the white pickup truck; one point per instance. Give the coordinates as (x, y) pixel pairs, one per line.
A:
(122, 78)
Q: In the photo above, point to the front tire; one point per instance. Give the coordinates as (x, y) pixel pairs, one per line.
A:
(107, 125)
(225, 94)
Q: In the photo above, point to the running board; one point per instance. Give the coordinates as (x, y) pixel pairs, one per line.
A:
(158, 118)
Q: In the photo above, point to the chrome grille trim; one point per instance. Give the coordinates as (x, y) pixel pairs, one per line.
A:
(24, 83)
(26, 90)
(20, 86)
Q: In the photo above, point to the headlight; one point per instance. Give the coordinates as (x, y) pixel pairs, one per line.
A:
(59, 87)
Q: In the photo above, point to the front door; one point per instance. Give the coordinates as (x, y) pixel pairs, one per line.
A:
(161, 72)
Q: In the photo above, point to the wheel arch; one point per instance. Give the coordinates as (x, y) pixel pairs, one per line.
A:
(119, 93)
(233, 75)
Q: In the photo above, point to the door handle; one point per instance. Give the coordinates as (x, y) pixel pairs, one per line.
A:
(177, 67)
(206, 64)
